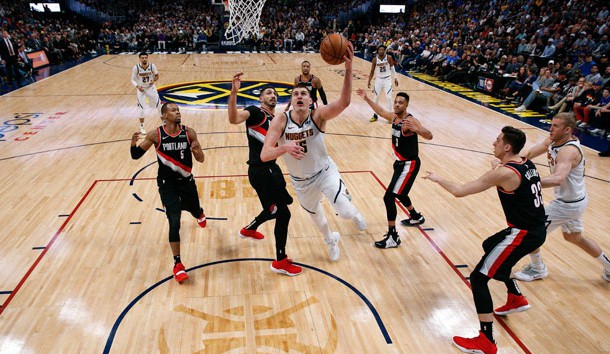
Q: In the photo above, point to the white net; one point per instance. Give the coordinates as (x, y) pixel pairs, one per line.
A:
(244, 16)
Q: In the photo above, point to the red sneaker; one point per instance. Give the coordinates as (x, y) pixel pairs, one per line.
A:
(285, 266)
(253, 234)
(480, 344)
(179, 273)
(515, 303)
(202, 221)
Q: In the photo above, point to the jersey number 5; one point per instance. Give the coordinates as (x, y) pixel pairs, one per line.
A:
(303, 144)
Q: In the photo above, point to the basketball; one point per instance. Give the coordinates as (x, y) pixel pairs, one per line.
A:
(333, 48)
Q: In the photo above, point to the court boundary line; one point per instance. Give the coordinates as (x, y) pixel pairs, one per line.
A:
(438, 249)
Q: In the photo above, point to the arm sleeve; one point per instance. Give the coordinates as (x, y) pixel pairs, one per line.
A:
(137, 152)
(323, 95)
(134, 76)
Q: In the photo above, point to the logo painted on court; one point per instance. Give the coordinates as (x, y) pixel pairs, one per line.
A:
(215, 94)
(268, 328)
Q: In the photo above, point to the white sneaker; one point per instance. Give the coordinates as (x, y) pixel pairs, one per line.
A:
(360, 222)
(142, 131)
(530, 273)
(333, 246)
(606, 275)
(520, 109)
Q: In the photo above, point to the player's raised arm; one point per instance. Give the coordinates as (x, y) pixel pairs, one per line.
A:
(138, 151)
(235, 116)
(376, 108)
(335, 107)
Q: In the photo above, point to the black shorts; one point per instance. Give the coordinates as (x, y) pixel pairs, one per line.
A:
(269, 183)
(404, 176)
(179, 194)
(504, 249)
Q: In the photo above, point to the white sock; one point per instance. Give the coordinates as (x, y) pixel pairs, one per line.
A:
(604, 261)
(536, 260)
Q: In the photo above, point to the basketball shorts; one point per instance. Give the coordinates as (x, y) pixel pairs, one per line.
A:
(504, 249)
(404, 176)
(326, 183)
(269, 183)
(566, 215)
(152, 95)
(179, 194)
(383, 85)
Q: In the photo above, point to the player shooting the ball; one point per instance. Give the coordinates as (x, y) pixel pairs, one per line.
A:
(405, 129)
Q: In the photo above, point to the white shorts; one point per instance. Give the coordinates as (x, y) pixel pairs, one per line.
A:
(566, 215)
(383, 85)
(327, 183)
(152, 95)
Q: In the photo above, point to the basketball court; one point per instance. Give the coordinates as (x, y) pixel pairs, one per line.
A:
(86, 266)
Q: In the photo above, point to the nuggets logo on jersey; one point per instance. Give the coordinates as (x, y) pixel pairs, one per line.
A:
(215, 94)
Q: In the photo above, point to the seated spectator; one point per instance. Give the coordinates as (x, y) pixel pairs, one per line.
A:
(549, 50)
(594, 75)
(541, 89)
(600, 120)
(582, 106)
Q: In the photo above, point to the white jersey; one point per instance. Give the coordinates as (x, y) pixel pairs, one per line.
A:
(573, 189)
(382, 68)
(316, 157)
(143, 77)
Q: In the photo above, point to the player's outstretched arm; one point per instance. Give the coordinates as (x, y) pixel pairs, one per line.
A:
(377, 108)
(235, 116)
(537, 149)
(335, 107)
(499, 177)
(195, 146)
(138, 151)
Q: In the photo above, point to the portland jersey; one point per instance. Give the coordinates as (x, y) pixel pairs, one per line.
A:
(404, 146)
(174, 153)
(257, 126)
(573, 189)
(309, 84)
(144, 77)
(382, 68)
(316, 157)
(523, 207)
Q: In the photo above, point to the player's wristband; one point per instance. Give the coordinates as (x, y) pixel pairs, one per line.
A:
(137, 152)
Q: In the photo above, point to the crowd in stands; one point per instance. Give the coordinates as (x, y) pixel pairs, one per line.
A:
(547, 55)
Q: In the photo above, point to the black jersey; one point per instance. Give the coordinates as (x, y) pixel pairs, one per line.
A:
(257, 126)
(523, 207)
(404, 145)
(174, 153)
(309, 84)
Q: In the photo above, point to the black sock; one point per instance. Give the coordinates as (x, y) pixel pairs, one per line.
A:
(414, 214)
(392, 230)
(177, 259)
(488, 330)
(253, 225)
(280, 254)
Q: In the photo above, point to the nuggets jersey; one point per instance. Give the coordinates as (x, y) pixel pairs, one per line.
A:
(404, 146)
(144, 77)
(573, 188)
(257, 126)
(174, 153)
(316, 157)
(382, 68)
(523, 207)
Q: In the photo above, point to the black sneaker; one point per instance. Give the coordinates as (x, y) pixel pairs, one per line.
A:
(413, 220)
(374, 118)
(389, 241)
(605, 153)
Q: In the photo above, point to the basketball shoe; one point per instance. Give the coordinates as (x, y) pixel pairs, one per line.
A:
(142, 130)
(286, 267)
(531, 273)
(202, 221)
(373, 118)
(480, 344)
(333, 245)
(514, 303)
(389, 241)
(251, 234)
(179, 273)
(414, 220)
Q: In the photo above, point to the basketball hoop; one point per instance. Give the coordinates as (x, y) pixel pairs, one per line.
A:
(244, 17)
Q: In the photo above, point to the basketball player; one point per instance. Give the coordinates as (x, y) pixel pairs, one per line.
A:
(174, 144)
(382, 67)
(300, 133)
(567, 163)
(143, 77)
(405, 129)
(518, 185)
(265, 177)
(313, 84)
